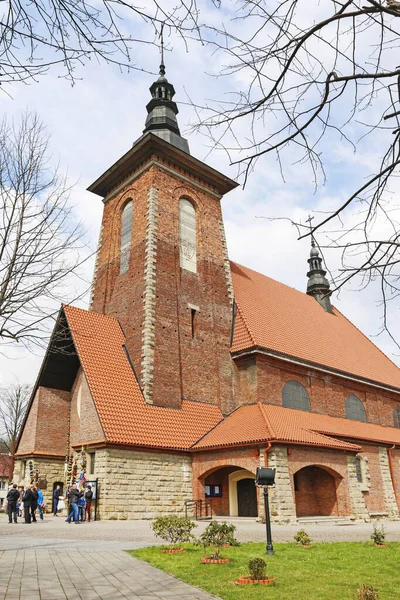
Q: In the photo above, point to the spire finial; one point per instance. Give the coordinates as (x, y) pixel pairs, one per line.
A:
(310, 218)
(162, 66)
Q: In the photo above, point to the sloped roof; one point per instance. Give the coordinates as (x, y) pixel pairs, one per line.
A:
(278, 318)
(124, 415)
(265, 422)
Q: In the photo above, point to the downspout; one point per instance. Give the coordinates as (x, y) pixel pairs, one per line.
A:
(392, 474)
(266, 450)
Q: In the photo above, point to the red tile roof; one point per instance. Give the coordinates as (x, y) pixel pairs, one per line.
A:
(262, 423)
(285, 321)
(124, 415)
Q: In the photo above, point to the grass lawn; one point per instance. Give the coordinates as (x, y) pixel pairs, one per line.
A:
(324, 572)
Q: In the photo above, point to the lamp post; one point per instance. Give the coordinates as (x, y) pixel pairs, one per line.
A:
(264, 478)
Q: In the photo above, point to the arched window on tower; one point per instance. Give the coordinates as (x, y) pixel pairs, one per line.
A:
(187, 235)
(355, 409)
(294, 395)
(126, 231)
(396, 417)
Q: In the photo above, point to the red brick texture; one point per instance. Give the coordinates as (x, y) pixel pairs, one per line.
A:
(261, 379)
(189, 368)
(47, 423)
(85, 424)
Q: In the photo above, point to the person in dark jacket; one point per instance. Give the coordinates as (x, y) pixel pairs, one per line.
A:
(88, 498)
(12, 499)
(28, 498)
(73, 497)
(56, 498)
(34, 503)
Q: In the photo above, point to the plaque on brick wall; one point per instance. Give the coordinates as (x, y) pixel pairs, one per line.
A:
(42, 484)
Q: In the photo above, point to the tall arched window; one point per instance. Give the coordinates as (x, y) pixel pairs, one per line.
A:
(294, 395)
(187, 235)
(355, 409)
(126, 231)
(396, 417)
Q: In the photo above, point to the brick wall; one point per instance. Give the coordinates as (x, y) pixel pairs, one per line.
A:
(194, 368)
(261, 378)
(85, 423)
(332, 461)
(47, 423)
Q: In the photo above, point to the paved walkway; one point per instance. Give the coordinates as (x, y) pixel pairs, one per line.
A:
(87, 575)
(52, 560)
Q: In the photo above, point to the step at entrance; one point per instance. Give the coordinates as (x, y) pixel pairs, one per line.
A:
(325, 520)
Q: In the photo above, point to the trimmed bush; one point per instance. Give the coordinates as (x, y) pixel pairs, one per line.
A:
(302, 537)
(218, 535)
(174, 530)
(378, 535)
(257, 568)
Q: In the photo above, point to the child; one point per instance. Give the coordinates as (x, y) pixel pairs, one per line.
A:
(81, 508)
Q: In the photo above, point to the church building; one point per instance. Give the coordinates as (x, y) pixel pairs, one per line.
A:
(190, 371)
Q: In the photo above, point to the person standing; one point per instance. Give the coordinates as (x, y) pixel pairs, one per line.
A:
(88, 498)
(27, 500)
(12, 499)
(73, 497)
(40, 503)
(34, 504)
(56, 498)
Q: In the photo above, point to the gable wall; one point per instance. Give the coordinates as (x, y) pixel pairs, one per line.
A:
(85, 425)
(28, 436)
(47, 424)
(261, 378)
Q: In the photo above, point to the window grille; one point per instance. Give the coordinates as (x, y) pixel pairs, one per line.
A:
(294, 395)
(355, 409)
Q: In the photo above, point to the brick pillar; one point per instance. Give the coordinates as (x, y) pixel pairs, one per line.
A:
(387, 484)
(281, 501)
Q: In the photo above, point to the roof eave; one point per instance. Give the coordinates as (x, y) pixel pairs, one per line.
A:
(142, 150)
(324, 368)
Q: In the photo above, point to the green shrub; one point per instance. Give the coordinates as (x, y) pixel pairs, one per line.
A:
(378, 534)
(302, 537)
(257, 568)
(173, 529)
(218, 534)
(367, 592)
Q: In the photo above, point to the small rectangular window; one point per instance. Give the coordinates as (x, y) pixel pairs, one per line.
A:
(193, 317)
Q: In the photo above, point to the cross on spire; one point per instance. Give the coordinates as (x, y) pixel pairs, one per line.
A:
(310, 218)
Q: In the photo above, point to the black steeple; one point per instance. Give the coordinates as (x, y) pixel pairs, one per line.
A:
(318, 285)
(162, 110)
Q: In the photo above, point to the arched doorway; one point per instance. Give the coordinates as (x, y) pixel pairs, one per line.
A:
(232, 491)
(315, 492)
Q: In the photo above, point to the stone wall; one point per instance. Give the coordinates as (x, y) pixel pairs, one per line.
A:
(282, 505)
(141, 485)
(357, 500)
(387, 485)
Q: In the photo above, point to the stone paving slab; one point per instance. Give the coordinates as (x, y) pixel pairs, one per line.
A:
(87, 575)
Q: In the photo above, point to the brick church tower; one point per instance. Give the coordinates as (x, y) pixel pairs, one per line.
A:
(162, 267)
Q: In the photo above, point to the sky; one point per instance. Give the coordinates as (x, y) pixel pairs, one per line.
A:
(95, 121)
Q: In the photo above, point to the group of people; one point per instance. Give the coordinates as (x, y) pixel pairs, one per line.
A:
(25, 502)
(80, 503)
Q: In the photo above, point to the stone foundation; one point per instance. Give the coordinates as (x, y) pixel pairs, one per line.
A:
(51, 470)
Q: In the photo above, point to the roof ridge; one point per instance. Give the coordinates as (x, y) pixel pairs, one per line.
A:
(267, 421)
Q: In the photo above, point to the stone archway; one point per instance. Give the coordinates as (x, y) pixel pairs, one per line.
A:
(316, 492)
